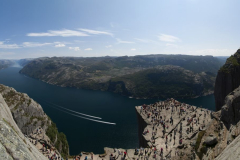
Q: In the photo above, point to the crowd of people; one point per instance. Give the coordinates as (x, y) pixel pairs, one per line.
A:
(37, 137)
(171, 123)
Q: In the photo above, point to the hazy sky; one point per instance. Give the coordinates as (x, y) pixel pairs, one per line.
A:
(36, 28)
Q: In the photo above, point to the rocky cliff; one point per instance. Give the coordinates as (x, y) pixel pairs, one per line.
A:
(29, 116)
(228, 78)
(142, 124)
(13, 144)
(226, 129)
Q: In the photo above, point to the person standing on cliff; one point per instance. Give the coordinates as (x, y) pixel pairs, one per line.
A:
(125, 154)
(80, 155)
(161, 153)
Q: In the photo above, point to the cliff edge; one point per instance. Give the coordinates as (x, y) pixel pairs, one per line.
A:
(13, 144)
(32, 121)
(228, 79)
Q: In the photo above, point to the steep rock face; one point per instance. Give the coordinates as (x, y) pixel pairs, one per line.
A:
(226, 130)
(29, 115)
(141, 126)
(13, 144)
(227, 80)
(230, 112)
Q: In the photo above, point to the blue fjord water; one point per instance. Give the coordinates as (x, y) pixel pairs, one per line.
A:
(83, 134)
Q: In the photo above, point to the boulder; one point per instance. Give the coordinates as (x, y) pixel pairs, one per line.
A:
(211, 140)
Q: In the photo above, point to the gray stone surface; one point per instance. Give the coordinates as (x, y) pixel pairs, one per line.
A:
(230, 112)
(13, 144)
(27, 113)
(232, 152)
(3, 153)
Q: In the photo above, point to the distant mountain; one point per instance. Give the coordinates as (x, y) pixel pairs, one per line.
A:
(6, 63)
(100, 73)
(164, 81)
(23, 62)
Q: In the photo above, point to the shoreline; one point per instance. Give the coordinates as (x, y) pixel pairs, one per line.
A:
(129, 96)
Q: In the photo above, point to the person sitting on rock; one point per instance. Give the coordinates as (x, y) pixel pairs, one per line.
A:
(135, 153)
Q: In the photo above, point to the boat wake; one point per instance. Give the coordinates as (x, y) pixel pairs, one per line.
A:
(73, 111)
(65, 110)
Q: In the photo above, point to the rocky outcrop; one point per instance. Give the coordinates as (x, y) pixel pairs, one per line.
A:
(222, 135)
(13, 144)
(230, 112)
(27, 113)
(29, 116)
(227, 80)
(210, 140)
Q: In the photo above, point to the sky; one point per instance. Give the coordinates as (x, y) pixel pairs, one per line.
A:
(93, 28)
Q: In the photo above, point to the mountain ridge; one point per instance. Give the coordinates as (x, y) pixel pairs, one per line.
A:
(101, 73)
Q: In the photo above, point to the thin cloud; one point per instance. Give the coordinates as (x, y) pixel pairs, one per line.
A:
(142, 40)
(109, 46)
(88, 49)
(89, 31)
(171, 45)
(74, 48)
(60, 33)
(121, 41)
(168, 38)
(4, 45)
(60, 45)
(35, 44)
(133, 49)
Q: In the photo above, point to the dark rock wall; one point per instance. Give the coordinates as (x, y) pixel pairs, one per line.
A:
(228, 79)
(141, 126)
